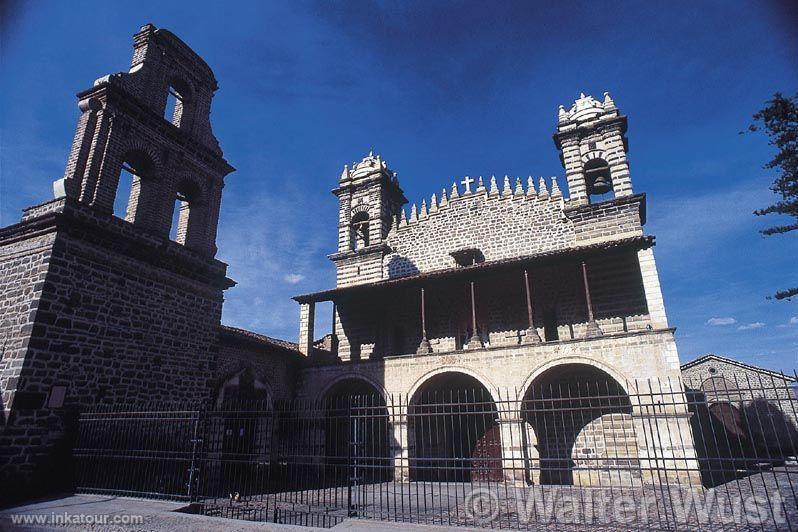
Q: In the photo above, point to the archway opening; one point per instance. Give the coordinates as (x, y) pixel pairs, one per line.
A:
(356, 434)
(453, 431)
(137, 169)
(582, 427)
(240, 437)
(184, 214)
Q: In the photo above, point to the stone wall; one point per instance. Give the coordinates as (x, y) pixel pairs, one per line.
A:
(516, 223)
(273, 364)
(103, 312)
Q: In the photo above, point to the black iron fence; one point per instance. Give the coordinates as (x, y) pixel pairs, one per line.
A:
(654, 454)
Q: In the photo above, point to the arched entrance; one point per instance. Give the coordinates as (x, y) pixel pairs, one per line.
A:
(581, 427)
(356, 433)
(453, 431)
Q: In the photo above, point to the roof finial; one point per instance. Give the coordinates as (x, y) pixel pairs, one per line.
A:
(555, 188)
(519, 188)
(530, 187)
(562, 114)
(480, 185)
(507, 191)
(494, 189)
(444, 199)
(544, 192)
(581, 95)
(454, 193)
(345, 173)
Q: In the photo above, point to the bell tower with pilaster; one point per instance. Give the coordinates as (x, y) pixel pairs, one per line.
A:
(369, 199)
(591, 137)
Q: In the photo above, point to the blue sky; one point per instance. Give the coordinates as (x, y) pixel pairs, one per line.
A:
(441, 90)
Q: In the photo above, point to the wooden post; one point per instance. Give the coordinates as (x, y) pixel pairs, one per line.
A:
(532, 336)
(424, 348)
(592, 330)
(475, 342)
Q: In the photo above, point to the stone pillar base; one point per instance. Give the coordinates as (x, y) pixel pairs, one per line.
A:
(593, 330)
(532, 336)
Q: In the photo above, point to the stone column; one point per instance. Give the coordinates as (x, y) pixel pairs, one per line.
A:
(516, 449)
(651, 287)
(665, 440)
(307, 318)
(400, 448)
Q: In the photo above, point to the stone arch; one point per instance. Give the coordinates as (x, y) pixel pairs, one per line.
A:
(351, 376)
(480, 377)
(453, 429)
(359, 208)
(619, 377)
(255, 388)
(189, 203)
(143, 165)
(593, 154)
(578, 426)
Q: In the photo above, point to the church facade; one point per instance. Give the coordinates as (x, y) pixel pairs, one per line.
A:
(499, 284)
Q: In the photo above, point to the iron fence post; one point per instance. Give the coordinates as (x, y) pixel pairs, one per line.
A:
(192, 471)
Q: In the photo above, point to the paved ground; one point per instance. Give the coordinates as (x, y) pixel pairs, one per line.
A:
(159, 516)
(764, 501)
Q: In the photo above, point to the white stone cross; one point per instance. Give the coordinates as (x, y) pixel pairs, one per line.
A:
(467, 184)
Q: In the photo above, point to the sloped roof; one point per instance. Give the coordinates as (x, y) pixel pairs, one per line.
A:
(262, 339)
(711, 356)
(635, 242)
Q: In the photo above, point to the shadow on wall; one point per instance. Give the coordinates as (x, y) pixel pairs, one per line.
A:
(400, 266)
(735, 439)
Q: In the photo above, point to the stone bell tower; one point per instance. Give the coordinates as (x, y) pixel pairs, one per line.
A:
(126, 308)
(154, 123)
(370, 200)
(591, 137)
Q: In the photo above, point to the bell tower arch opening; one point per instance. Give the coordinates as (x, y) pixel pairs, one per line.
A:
(136, 174)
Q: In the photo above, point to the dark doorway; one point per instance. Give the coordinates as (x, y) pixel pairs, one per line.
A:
(454, 431)
(356, 434)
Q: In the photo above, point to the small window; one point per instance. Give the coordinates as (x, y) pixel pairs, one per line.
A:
(468, 257)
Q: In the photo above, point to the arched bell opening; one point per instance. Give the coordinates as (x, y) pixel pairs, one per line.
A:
(356, 434)
(598, 180)
(453, 431)
(582, 425)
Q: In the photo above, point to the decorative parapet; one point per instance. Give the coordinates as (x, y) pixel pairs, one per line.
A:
(511, 190)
